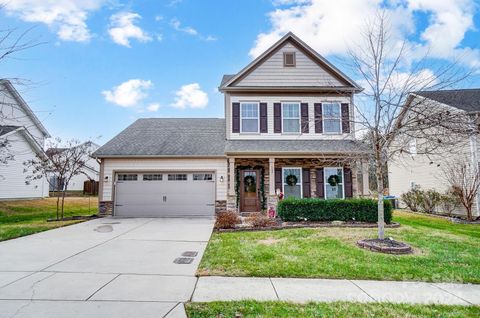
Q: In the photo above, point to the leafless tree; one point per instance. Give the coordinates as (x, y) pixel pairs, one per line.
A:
(388, 115)
(63, 162)
(463, 176)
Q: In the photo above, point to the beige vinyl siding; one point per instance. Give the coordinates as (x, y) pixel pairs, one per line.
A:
(219, 166)
(272, 72)
(270, 100)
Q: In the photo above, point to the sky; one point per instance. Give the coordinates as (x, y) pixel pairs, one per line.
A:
(102, 64)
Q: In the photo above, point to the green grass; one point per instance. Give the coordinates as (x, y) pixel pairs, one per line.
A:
(337, 309)
(25, 217)
(443, 252)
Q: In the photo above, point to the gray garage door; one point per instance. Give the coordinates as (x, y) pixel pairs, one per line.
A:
(163, 194)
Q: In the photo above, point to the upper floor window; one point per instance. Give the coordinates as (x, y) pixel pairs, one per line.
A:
(289, 59)
(332, 118)
(249, 118)
(291, 117)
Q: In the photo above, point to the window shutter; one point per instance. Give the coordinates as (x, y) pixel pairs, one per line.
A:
(306, 183)
(304, 114)
(347, 175)
(263, 118)
(235, 117)
(345, 118)
(320, 183)
(278, 179)
(277, 117)
(318, 118)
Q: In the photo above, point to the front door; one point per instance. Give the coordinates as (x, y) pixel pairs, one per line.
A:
(249, 186)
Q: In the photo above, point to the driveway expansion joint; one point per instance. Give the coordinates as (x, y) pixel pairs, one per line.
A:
(365, 292)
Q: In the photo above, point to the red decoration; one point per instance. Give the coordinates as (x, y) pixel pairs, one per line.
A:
(271, 212)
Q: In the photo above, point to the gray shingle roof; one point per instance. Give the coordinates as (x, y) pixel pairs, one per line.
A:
(5, 129)
(298, 146)
(465, 99)
(168, 137)
(226, 78)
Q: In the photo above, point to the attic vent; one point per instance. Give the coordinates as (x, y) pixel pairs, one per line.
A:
(289, 59)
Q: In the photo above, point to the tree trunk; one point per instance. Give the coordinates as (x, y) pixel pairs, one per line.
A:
(57, 193)
(381, 218)
(63, 201)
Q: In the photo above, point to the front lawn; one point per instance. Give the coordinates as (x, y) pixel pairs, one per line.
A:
(444, 252)
(338, 310)
(25, 217)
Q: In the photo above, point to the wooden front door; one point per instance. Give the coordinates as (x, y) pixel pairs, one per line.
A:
(249, 191)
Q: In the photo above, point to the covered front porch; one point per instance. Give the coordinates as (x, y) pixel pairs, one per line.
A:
(255, 183)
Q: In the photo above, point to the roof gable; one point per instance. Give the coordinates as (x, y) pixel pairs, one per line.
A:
(311, 70)
(464, 99)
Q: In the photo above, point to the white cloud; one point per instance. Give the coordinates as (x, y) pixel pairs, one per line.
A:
(153, 107)
(177, 25)
(190, 95)
(123, 28)
(66, 17)
(129, 93)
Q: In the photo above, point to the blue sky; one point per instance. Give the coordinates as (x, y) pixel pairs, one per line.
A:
(106, 63)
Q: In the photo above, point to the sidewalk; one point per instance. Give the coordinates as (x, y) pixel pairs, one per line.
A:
(216, 288)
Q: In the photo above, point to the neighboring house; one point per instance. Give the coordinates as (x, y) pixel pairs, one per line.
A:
(413, 169)
(287, 128)
(90, 172)
(24, 137)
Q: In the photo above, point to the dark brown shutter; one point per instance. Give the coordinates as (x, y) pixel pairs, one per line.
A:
(347, 175)
(277, 117)
(345, 118)
(263, 118)
(306, 183)
(278, 179)
(320, 184)
(318, 118)
(304, 113)
(235, 117)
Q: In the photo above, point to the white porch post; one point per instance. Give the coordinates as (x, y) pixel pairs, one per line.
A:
(365, 179)
(231, 174)
(271, 174)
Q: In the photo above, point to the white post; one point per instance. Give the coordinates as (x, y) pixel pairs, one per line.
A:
(231, 175)
(271, 174)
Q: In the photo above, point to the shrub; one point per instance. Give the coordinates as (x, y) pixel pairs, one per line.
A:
(261, 220)
(412, 198)
(227, 220)
(448, 203)
(361, 210)
(429, 200)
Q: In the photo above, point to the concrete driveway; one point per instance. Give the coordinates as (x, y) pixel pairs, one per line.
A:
(103, 268)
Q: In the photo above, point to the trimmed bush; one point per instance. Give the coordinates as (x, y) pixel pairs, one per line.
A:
(314, 209)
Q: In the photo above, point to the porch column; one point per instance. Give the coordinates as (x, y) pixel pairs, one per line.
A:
(365, 179)
(231, 175)
(271, 175)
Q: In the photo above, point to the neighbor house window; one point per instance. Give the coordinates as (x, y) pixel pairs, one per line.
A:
(333, 183)
(292, 182)
(412, 146)
(289, 59)
(249, 118)
(177, 177)
(152, 177)
(127, 177)
(291, 117)
(202, 177)
(332, 119)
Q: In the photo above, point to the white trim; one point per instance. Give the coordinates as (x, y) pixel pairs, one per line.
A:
(325, 182)
(340, 118)
(300, 181)
(299, 118)
(258, 118)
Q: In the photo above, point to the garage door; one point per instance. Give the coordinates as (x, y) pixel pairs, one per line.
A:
(164, 194)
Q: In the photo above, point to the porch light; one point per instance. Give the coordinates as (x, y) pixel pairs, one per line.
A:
(106, 178)
(221, 178)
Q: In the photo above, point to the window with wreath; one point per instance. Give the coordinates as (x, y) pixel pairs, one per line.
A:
(333, 183)
(292, 182)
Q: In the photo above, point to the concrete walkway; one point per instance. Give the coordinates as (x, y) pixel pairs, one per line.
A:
(326, 290)
(103, 268)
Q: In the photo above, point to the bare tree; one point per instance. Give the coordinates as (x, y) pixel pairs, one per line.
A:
(393, 120)
(463, 176)
(63, 162)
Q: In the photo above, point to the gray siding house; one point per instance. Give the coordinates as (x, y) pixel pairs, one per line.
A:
(287, 129)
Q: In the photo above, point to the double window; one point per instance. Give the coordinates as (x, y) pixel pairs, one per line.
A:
(292, 182)
(249, 117)
(332, 118)
(291, 117)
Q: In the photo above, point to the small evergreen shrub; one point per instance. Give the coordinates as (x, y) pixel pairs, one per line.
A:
(430, 199)
(314, 209)
(413, 198)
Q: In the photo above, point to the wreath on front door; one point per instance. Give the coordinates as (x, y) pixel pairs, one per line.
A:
(333, 180)
(291, 180)
(249, 181)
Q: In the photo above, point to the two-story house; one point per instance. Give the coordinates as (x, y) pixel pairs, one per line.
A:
(288, 129)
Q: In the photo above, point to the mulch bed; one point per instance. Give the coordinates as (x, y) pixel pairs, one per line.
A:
(298, 225)
(387, 246)
(75, 218)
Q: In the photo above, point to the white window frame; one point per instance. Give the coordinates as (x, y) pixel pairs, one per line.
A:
(300, 181)
(325, 182)
(177, 174)
(330, 118)
(127, 174)
(299, 118)
(257, 118)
